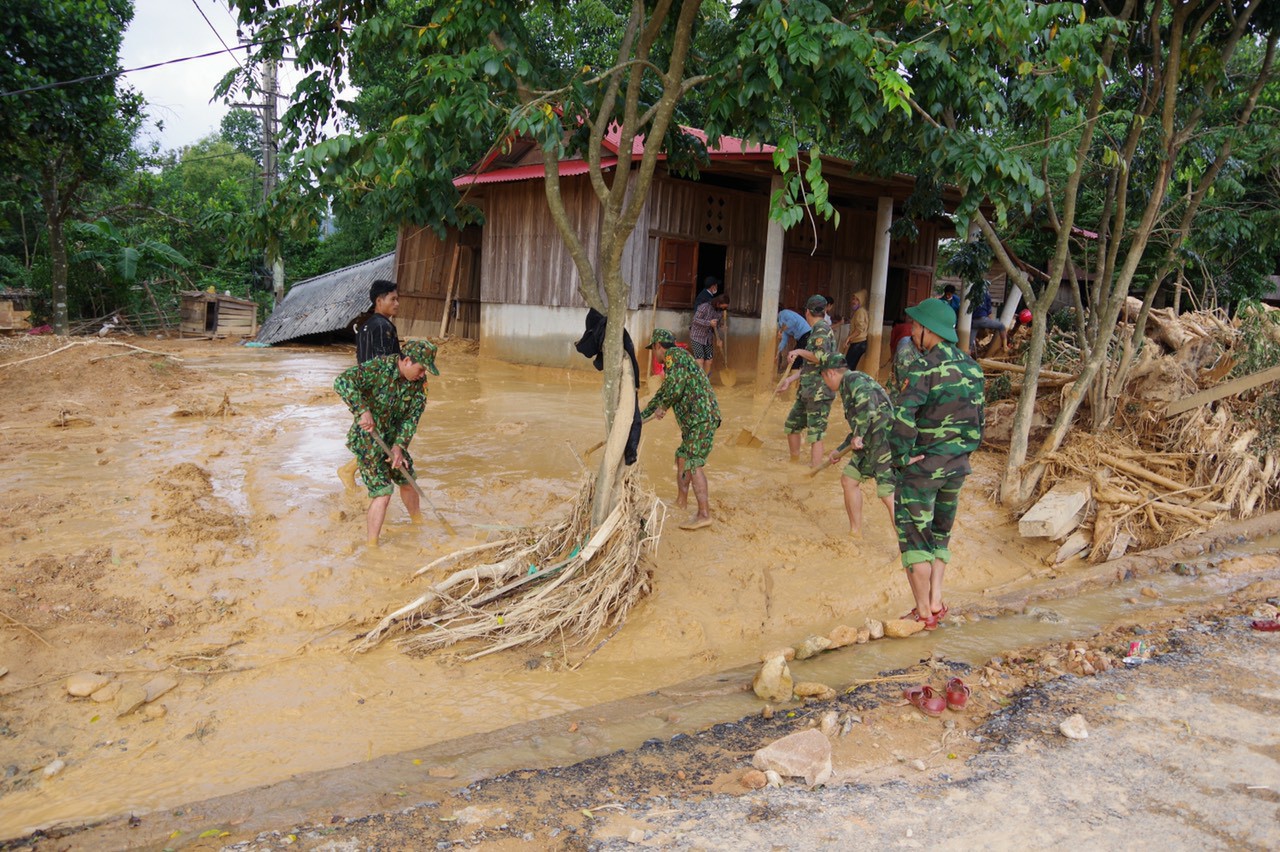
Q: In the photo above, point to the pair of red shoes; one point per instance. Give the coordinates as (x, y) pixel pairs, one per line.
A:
(930, 622)
(930, 703)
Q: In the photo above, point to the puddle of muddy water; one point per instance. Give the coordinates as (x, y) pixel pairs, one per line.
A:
(272, 609)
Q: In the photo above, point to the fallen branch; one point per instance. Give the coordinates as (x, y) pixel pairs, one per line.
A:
(89, 343)
(1141, 472)
(27, 628)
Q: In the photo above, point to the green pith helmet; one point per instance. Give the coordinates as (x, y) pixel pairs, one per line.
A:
(661, 337)
(937, 316)
(421, 352)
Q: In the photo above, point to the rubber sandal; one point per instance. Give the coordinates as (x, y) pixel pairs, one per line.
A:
(930, 623)
(1266, 625)
(958, 693)
(924, 699)
(941, 613)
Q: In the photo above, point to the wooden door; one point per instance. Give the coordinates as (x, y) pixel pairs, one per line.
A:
(803, 276)
(677, 273)
(919, 285)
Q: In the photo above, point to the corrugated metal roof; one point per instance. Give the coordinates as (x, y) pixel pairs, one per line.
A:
(327, 302)
(568, 168)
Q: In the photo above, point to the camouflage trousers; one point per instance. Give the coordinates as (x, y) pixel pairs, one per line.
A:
(695, 443)
(924, 511)
(874, 461)
(375, 470)
(810, 414)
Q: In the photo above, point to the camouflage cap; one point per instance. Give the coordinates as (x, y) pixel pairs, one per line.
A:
(661, 337)
(937, 316)
(816, 305)
(421, 352)
(831, 361)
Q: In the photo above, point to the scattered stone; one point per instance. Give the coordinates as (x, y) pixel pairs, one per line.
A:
(1131, 600)
(442, 772)
(812, 689)
(155, 711)
(636, 836)
(107, 693)
(901, 628)
(767, 712)
(1074, 727)
(1149, 592)
(773, 682)
(3, 671)
(1045, 616)
(774, 779)
(804, 754)
(54, 768)
(829, 724)
(842, 636)
(84, 684)
(754, 779)
(158, 686)
(949, 724)
(864, 636)
(1265, 610)
(787, 654)
(918, 764)
(812, 646)
(875, 629)
(130, 698)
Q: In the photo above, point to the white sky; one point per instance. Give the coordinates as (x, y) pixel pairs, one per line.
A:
(179, 94)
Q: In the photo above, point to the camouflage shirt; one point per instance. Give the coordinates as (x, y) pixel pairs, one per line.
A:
(686, 390)
(903, 358)
(866, 407)
(939, 413)
(821, 339)
(396, 403)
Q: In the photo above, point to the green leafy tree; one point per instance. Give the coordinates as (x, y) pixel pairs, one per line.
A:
(242, 128)
(63, 127)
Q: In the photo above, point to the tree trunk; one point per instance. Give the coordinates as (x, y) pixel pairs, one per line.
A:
(57, 248)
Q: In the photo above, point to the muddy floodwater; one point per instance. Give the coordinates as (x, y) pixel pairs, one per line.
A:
(185, 520)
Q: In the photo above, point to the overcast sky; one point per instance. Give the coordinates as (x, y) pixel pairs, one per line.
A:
(179, 94)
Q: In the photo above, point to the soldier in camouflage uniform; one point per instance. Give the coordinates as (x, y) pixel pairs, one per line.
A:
(813, 399)
(387, 393)
(903, 357)
(870, 416)
(686, 388)
(937, 424)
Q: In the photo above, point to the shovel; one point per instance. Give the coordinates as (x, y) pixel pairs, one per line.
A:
(747, 437)
(382, 445)
(828, 463)
(728, 376)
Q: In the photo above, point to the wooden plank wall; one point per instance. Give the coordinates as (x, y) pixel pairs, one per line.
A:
(237, 317)
(524, 259)
(423, 261)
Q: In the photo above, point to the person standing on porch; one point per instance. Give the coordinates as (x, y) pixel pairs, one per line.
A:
(687, 390)
(938, 422)
(703, 331)
(375, 337)
(813, 399)
(858, 325)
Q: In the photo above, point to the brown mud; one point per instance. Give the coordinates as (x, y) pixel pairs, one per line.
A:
(184, 518)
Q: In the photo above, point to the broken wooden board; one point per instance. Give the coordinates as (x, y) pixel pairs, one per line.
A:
(1120, 546)
(1058, 512)
(1076, 543)
(1230, 388)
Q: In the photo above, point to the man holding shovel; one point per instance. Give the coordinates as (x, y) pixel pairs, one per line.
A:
(813, 399)
(386, 395)
(870, 416)
(686, 389)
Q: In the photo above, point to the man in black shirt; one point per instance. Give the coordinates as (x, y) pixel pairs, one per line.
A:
(375, 337)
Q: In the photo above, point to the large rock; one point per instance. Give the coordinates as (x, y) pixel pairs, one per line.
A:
(901, 628)
(842, 636)
(1074, 728)
(804, 754)
(130, 698)
(107, 693)
(773, 682)
(812, 646)
(84, 684)
(875, 629)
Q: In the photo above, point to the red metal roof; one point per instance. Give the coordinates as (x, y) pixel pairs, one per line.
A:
(730, 147)
(533, 172)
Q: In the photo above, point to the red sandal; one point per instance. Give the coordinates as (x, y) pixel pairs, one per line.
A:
(941, 613)
(1266, 625)
(924, 699)
(930, 623)
(958, 693)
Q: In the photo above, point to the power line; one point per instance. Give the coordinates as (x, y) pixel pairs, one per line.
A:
(63, 83)
(216, 33)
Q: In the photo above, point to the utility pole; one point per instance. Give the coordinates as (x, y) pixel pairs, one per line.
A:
(269, 171)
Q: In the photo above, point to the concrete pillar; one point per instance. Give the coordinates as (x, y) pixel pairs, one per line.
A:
(964, 322)
(879, 285)
(768, 347)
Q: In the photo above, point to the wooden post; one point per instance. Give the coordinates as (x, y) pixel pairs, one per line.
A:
(767, 345)
(448, 293)
(879, 283)
(964, 318)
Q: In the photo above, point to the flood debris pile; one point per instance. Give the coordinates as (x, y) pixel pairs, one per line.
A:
(1170, 465)
(562, 581)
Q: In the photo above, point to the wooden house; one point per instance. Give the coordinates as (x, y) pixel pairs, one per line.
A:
(217, 315)
(511, 284)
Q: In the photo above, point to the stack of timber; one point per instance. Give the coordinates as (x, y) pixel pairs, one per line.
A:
(12, 320)
(1180, 457)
